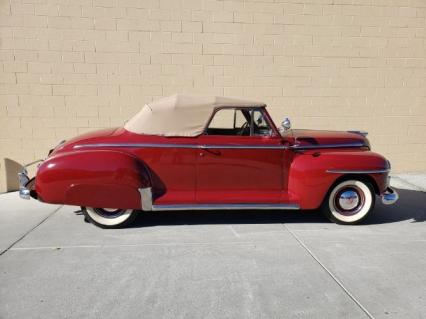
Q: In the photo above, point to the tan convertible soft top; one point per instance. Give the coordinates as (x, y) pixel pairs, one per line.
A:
(181, 115)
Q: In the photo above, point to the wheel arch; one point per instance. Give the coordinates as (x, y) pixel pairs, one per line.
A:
(361, 177)
(345, 177)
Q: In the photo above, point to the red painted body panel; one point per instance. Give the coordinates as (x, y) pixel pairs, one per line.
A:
(228, 175)
(320, 137)
(110, 174)
(94, 178)
(309, 181)
(173, 173)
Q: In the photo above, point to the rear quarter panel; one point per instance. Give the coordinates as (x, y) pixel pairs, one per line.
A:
(93, 178)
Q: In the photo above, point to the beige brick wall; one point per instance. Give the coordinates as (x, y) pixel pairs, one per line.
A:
(72, 66)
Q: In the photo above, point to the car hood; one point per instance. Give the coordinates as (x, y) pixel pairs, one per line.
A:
(300, 138)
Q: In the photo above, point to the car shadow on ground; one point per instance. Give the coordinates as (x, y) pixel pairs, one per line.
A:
(410, 206)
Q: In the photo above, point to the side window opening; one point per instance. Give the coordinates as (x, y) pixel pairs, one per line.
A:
(260, 125)
(239, 122)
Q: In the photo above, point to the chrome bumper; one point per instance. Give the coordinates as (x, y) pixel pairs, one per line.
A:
(24, 192)
(390, 196)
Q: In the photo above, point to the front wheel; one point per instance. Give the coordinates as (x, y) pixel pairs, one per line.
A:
(349, 202)
(109, 217)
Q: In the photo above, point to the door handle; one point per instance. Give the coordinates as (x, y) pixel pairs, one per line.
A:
(214, 151)
(205, 148)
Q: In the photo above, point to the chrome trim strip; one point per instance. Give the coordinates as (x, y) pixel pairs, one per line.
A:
(192, 146)
(147, 145)
(363, 133)
(342, 145)
(146, 204)
(354, 171)
(32, 163)
(223, 146)
(268, 147)
(146, 198)
(223, 206)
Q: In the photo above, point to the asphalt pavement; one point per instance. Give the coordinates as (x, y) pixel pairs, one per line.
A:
(242, 264)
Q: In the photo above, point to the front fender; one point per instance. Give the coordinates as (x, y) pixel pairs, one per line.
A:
(310, 179)
(93, 178)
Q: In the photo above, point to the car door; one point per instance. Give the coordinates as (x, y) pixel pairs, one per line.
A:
(171, 166)
(240, 160)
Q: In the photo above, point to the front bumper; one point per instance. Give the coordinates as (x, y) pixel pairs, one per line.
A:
(24, 191)
(390, 196)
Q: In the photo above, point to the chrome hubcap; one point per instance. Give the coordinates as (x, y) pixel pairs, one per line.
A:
(348, 200)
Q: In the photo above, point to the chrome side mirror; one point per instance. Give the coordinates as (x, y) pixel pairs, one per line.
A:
(286, 124)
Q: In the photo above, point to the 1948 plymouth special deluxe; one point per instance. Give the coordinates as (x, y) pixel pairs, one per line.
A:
(197, 153)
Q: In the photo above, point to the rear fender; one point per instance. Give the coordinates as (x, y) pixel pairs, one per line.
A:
(93, 178)
(311, 174)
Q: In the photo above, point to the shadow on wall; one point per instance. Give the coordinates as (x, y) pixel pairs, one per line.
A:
(11, 169)
(410, 206)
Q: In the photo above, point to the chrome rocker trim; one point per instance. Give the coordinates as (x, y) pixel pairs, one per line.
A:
(146, 205)
(390, 196)
(224, 207)
(23, 178)
(355, 171)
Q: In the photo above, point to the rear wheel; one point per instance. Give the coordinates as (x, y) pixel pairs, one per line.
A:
(349, 202)
(109, 217)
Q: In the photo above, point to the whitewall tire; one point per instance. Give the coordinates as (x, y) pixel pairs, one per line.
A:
(109, 217)
(349, 201)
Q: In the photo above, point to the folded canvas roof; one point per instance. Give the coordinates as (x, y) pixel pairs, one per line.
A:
(181, 115)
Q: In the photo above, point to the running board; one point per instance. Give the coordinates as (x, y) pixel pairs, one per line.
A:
(146, 205)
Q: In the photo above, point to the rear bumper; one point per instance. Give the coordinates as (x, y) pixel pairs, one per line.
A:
(25, 191)
(390, 196)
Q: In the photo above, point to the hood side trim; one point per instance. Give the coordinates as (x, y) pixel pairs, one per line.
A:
(354, 171)
(339, 145)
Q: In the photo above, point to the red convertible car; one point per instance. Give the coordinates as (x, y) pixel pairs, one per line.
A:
(208, 153)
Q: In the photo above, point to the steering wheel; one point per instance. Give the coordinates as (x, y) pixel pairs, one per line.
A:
(243, 129)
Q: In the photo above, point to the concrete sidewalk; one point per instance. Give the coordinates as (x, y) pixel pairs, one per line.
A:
(213, 264)
(413, 181)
